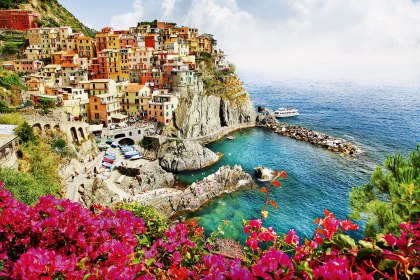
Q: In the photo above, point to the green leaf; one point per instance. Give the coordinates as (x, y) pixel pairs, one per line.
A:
(387, 264)
(136, 261)
(366, 253)
(86, 276)
(343, 241)
(415, 209)
(150, 261)
(188, 255)
(366, 244)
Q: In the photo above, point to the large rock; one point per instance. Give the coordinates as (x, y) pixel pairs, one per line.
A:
(185, 155)
(95, 191)
(170, 202)
(152, 176)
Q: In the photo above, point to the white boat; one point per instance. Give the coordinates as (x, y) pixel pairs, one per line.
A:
(136, 157)
(286, 112)
(231, 137)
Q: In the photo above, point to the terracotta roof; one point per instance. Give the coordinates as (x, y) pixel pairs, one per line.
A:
(134, 88)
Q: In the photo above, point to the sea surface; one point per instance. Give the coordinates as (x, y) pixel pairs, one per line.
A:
(379, 119)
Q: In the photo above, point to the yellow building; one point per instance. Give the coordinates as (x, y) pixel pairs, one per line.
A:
(34, 36)
(113, 42)
(118, 66)
(135, 100)
(85, 47)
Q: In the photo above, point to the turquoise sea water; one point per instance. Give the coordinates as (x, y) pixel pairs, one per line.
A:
(380, 119)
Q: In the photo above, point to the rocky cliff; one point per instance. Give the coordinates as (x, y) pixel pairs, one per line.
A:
(95, 191)
(149, 176)
(217, 102)
(170, 202)
(185, 155)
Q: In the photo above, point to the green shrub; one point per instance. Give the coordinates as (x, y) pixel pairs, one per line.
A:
(25, 187)
(155, 223)
(25, 133)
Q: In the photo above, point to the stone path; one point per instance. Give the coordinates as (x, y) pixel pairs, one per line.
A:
(73, 186)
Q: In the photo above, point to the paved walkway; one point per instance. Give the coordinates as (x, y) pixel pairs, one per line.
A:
(88, 168)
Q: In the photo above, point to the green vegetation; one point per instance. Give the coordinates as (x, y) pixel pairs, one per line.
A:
(392, 196)
(24, 186)
(10, 89)
(154, 23)
(54, 14)
(4, 108)
(25, 133)
(10, 48)
(11, 4)
(155, 223)
(205, 56)
(39, 159)
(11, 118)
(10, 80)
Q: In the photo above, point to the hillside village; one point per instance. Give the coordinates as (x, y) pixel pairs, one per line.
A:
(115, 77)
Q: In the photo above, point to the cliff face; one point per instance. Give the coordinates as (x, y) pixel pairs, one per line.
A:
(221, 103)
(186, 155)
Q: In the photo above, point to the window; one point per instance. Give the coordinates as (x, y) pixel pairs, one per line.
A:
(96, 115)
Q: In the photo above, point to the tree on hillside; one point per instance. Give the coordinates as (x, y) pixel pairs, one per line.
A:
(392, 196)
(25, 133)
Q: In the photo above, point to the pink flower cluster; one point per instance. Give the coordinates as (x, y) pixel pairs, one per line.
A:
(59, 239)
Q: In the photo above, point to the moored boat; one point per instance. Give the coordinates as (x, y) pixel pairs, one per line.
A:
(230, 137)
(136, 157)
(286, 112)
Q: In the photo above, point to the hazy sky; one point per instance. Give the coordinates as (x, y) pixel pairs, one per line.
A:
(373, 40)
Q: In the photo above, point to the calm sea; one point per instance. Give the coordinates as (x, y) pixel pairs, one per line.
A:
(380, 119)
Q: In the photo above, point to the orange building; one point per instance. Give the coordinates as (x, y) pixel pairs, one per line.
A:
(103, 108)
(162, 106)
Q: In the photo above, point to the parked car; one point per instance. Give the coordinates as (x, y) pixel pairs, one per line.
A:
(108, 141)
(112, 126)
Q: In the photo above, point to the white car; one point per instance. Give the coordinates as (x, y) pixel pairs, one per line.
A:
(112, 126)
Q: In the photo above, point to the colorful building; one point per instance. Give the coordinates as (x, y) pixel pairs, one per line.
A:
(18, 19)
(135, 100)
(85, 47)
(162, 106)
(103, 108)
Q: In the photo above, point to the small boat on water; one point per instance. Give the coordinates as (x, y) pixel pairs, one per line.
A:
(230, 137)
(286, 112)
